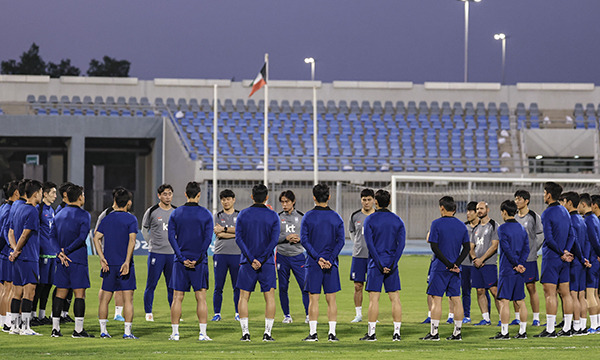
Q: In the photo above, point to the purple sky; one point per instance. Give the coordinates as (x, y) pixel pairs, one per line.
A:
(383, 40)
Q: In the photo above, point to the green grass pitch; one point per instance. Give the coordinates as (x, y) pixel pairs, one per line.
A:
(153, 337)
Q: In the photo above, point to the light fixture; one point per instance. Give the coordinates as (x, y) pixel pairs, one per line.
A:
(576, 157)
(538, 157)
(500, 36)
(309, 60)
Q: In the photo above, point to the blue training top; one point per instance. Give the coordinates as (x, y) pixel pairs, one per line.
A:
(322, 235)
(48, 246)
(451, 235)
(4, 212)
(190, 232)
(26, 217)
(385, 236)
(116, 228)
(593, 231)
(558, 233)
(257, 234)
(513, 245)
(70, 231)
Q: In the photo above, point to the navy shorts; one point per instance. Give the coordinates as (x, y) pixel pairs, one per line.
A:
(358, 270)
(376, 278)
(74, 276)
(26, 272)
(112, 280)
(531, 273)
(484, 277)
(443, 282)
(47, 269)
(555, 272)
(511, 287)
(248, 277)
(183, 278)
(577, 276)
(6, 269)
(317, 278)
(591, 277)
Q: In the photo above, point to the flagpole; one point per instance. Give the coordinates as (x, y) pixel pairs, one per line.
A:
(215, 149)
(266, 123)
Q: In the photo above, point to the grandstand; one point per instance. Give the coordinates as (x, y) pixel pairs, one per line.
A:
(367, 130)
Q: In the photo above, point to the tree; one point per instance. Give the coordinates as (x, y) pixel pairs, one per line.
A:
(63, 68)
(109, 67)
(31, 63)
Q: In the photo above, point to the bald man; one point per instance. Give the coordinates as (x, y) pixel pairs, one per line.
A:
(484, 249)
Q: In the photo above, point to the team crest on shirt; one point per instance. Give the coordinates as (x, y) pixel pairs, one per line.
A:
(159, 218)
(296, 218)
(234, 220)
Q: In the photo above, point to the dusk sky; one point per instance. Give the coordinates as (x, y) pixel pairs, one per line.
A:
(382, 40)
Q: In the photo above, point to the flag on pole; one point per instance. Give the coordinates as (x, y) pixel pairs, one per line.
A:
(260, 80)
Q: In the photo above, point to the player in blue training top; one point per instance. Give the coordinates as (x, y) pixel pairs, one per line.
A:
(48, 251)
(556, 257)
(11, 194)
(446, 236)
(190, 235)
(322, 235)
(513, 249)
(256, 234)
(580, 264)
(24, 239)
(70, 231)
(64, 314)
(593, 236)
(119, 229)
(385, 236)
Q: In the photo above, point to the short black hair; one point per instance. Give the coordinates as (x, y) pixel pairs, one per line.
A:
(553, 189)
(64, 187)
(10, 188)
(382, 197)
(321, 192)
(523, 194)
(192, 189)
(288, 194)
(74, 192)
(586, 199)
(227, 193)
(367, 192)
(122, 196)
(509, 206)
(571, 196)
(447, 202)
(31, 187)
(472, 206)
(596, 200)
(259, 193)
(164, 187)
(22, 184)
(47, 186)
(115, 190)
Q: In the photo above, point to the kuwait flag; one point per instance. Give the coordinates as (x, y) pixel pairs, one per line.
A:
(260, 81)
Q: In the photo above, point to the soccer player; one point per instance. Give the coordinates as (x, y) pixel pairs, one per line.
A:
(257, 234)
(119, 229)
(556, 257)
(290, 254)
(70, 231)
(593, 236)
(160, 254)
(227, 254)
(360, 253)
(11, 194)
(446, 236)
(322, 235)
(577, 272)
(466, 268)
(385, 236)
(190, 235)
(514, 249)
(117, 294)
(532, 223)
(23, 237)
(484, 252)
(48, 251)
(65, 318)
